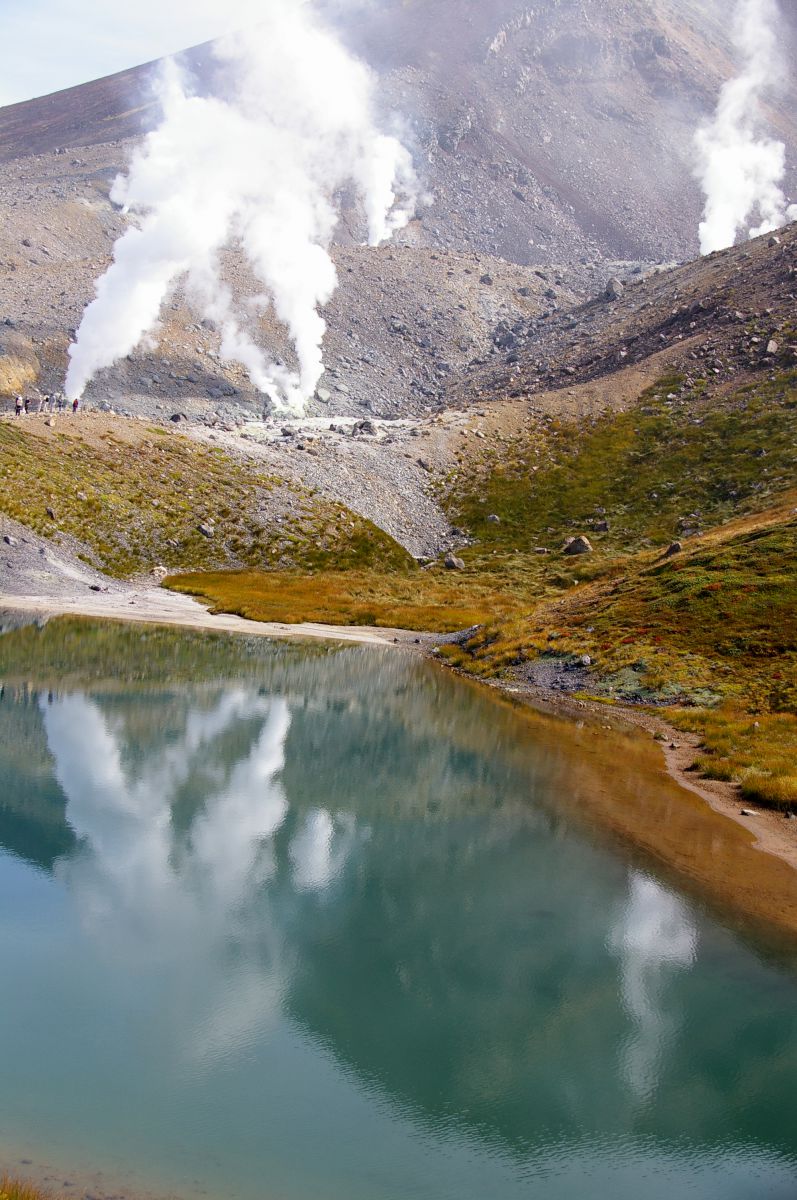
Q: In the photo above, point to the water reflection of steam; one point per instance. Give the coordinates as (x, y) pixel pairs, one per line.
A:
(185, 902)
(654, 938)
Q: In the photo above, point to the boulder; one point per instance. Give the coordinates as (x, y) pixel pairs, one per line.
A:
(207, 530)
(772, 347)
(577, 545)
(494, 519)
(673, 549)
(9, 541)
(452, 563)
(614, 289)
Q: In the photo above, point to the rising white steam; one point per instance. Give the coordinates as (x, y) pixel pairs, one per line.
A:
(260, 168)
(740, 168)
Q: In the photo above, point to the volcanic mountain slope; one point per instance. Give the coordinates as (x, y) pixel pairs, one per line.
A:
(715, 332)
(718, 317)
(555, 137)
(546, 132)
(402, 318)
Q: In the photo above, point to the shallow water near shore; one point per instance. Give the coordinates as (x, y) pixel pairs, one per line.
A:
(284, 922)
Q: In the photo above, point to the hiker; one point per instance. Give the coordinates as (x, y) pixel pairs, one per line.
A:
(59, 404)
(18, 406)
(26, 405)
(75, 404)
(41, 402)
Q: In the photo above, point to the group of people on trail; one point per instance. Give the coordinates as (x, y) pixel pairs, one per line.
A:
(44, 404)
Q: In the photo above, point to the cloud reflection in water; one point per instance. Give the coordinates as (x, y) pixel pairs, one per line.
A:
(654, 938)
(183, 902)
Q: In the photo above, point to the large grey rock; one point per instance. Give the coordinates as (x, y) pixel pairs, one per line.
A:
(614, 289)
(452, 563)
(577, 545)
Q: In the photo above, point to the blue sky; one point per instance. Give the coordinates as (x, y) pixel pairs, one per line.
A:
(46, 45)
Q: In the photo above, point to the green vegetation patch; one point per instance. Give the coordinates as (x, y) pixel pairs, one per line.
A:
(719, 619)
(665, 467)
(139, 505)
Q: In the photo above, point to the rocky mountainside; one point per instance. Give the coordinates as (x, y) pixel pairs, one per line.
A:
(547, 132)
(555, 139)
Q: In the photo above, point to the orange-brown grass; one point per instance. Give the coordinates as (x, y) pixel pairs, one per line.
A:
(758, 752)
(421, 600)
(15, 1189)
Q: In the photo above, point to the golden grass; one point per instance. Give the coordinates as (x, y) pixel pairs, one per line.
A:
(14, 1189)
(436, 601)
(758, 752)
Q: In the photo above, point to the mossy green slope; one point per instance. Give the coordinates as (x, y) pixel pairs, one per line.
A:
(676, 460)
(139, 503)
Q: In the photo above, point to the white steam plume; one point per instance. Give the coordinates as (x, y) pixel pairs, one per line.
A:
(741, 169)
(259, 169)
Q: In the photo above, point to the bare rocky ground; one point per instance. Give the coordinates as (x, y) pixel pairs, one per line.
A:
(31, 565)
(548, 133)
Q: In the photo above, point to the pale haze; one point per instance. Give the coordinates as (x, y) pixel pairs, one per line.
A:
(47, 45)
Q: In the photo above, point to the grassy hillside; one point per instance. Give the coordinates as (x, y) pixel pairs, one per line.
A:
(138, 499)
(678, 460)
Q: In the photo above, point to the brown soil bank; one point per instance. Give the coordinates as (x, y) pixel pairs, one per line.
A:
(615, 777)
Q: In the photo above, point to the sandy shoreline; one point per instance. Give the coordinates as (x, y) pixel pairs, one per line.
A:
(770, 832)
(158, 607)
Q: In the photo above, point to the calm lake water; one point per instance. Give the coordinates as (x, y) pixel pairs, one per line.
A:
(325, 924)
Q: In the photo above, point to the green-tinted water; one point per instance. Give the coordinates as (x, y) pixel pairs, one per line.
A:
(281, 923)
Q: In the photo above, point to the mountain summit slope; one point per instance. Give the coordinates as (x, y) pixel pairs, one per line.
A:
(546, 132)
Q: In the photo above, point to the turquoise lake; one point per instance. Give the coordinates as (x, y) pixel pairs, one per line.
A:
(285, 923)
